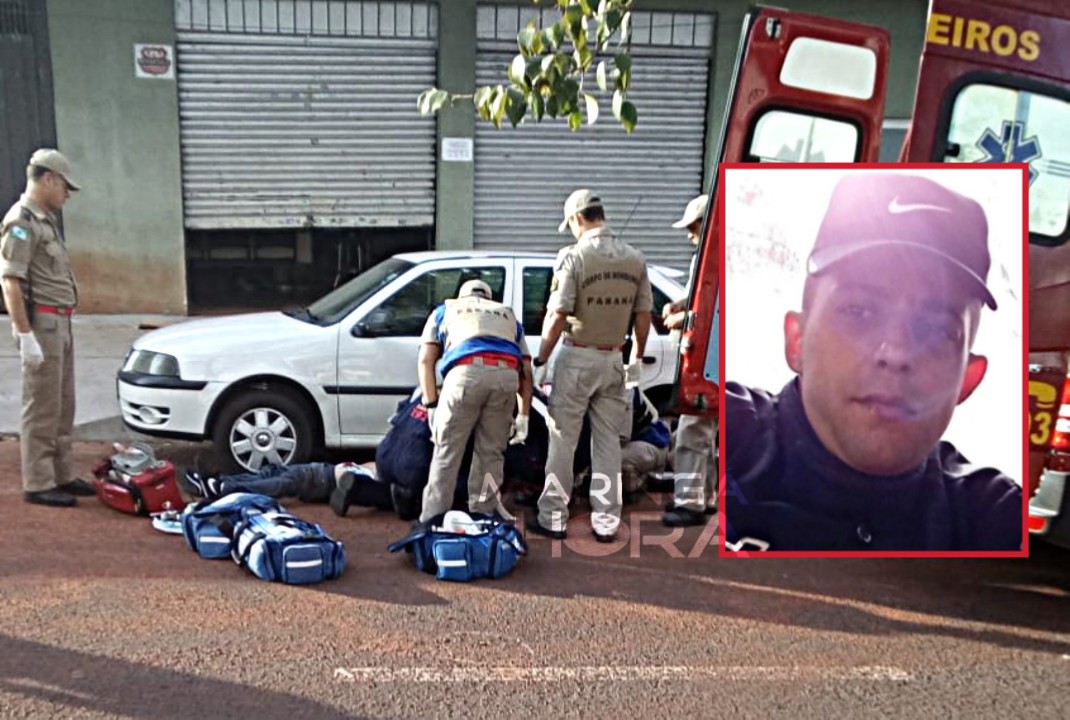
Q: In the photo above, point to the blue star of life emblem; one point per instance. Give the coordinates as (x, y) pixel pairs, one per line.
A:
(1009, 146)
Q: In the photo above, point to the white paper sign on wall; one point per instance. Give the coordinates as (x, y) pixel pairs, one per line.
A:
(456, 149)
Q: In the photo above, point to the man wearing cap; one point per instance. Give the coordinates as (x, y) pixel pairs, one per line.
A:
(848, 455)
(694, 452)
(41, 294)
(479, 348)
(598, 285)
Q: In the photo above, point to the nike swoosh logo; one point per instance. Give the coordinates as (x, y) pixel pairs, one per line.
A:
(895, 208)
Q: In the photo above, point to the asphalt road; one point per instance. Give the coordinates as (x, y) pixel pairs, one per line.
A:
(101, 616)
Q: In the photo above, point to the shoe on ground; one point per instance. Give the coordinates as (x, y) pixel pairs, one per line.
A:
(78, 487)
(342, 495)
(604, 538)
(532, 525)
(683, 517)
(52, 498)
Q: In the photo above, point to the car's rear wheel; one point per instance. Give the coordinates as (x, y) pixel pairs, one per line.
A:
(257, 427)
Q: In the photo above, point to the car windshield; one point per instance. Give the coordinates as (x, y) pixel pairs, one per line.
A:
(336, 304)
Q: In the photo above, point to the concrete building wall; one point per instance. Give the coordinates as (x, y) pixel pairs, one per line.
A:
(124, 229)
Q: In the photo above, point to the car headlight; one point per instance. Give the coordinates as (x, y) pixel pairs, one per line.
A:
(147, 362)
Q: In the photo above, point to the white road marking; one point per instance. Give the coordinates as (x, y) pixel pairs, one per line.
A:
(594, 673)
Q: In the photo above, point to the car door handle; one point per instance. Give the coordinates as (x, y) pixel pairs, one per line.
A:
(649, 359)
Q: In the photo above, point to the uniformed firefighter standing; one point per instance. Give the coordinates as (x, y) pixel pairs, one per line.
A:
(41, 294)
(484, 363)
(598, 285)
(694, 459)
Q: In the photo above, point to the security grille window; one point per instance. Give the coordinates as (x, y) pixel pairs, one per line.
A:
(991, 123)
(14, 18)
(524, 174)
(300, 113)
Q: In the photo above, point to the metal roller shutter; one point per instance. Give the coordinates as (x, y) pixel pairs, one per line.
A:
(304, 124)
(524, 174)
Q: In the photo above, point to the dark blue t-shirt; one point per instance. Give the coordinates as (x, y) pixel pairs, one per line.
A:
(785, 488)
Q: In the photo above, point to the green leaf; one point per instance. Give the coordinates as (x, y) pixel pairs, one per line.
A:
(423, 102)
(516, 106)
(583, 57)
(548, 62)
(538, 106)
(563, 63)
(552, 105)
(600, 76)
(437, 100)
(497, 107)
(575, 120)
(613, 18)
(618, 101)
(623, 61)
(525, 40)
(567, 93)
(628, 116)
(626, 29)
(549, 38)
(518, 71)
(624, 80)
(592, 108)
(585, 5)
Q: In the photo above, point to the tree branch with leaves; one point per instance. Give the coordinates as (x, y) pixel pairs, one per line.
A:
(546, 78)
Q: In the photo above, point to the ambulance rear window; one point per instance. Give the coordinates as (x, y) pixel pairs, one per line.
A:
(791, 136)
(994, 123)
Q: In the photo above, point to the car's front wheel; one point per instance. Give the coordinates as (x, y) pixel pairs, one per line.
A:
(258, 427)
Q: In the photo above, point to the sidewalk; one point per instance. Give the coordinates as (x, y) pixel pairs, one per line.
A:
(101, 343)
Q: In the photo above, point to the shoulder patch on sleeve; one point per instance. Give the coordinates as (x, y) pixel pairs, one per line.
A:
(18, 232)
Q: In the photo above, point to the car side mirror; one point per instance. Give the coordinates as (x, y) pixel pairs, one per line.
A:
(374, 324)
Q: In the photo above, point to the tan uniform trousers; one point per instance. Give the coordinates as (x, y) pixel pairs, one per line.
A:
(480, 399)
(48, 406)
(637, 460)
(695, 463)
(585, 381)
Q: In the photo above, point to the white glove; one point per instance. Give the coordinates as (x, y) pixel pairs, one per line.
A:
(30, 350)
(431, 418)
(538, 375)
(631, 374)
(520, 430)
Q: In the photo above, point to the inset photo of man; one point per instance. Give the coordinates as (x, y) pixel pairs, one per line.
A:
(874, 359)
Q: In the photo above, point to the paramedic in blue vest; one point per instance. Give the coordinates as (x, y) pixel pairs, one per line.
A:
(479, 347)
(40, 294)
(848, 455)
(695, 449)
(599, 283)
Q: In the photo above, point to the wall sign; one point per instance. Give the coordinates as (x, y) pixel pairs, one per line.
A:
(457, 149)
(154, 61)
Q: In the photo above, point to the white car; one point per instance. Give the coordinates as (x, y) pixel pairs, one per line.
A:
(275, 386)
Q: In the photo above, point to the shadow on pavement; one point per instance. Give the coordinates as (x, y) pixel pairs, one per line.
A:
(68, 679)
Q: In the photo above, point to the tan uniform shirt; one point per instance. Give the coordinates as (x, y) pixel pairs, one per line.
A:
(32, 250)
(572, 273)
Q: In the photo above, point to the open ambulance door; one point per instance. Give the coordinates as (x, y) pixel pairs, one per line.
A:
(796, 77)
(993, 87)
